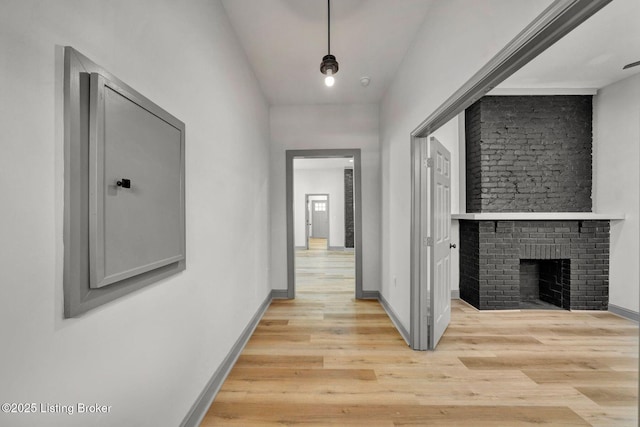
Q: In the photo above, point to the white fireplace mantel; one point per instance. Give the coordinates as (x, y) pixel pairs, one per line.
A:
(538, 216)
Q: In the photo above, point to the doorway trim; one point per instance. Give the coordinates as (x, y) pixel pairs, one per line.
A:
(551, 25)
(289, 209)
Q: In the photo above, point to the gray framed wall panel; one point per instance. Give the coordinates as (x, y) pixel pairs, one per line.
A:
(129, 142)
(124, 222)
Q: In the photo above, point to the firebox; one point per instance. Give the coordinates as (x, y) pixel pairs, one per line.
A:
(545, 284)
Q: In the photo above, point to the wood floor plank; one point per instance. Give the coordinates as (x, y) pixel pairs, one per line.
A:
(326, 358)
(357, 316)
(272, 323)
(490, 340)
(363, 396)
(439, 374)
(625, 378)
(257, 374)
(281, 361)
(335, 329)
(270, 338)
(397, 415)
(532, 362)
(590, 331)
(610, 417)
(611, 396)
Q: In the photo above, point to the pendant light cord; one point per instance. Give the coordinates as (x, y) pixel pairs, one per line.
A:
(329, 27)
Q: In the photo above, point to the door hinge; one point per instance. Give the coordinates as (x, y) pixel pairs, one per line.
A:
(428, 241)
(428, 162)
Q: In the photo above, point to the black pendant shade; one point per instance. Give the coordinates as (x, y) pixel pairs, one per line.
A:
(329, 63)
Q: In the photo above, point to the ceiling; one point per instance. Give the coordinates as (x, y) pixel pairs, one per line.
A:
(285, 41)
(591, 56)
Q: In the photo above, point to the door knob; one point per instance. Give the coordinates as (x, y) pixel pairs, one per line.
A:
(124, 183)
(452, 245)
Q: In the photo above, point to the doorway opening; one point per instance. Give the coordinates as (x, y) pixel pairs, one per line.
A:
(551, 25)
(324, 221)
(316, 216)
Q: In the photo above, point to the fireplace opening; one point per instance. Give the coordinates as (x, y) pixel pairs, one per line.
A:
(544, 284)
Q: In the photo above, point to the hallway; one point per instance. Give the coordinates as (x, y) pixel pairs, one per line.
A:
(324, 271)
(325, 358)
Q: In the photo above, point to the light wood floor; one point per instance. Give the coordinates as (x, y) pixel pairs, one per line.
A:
(327, 359)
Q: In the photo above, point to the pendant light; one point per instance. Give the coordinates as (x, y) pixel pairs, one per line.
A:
(329, 65)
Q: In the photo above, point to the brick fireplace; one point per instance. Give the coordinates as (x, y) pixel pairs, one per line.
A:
(529, 238)
(495, 254)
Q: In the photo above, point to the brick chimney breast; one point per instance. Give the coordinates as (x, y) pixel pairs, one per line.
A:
(529, 154)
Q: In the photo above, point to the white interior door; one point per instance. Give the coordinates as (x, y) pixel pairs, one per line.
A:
(440, 235)
(320, 219)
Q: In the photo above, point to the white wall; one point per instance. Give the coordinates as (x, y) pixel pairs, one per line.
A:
(151, 353)
(301, 127)
(319, 181)
(616, 183)
(457, 38)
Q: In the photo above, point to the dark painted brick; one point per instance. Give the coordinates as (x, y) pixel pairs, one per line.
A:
(490, 279)
(528, 154)
(349, 232)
